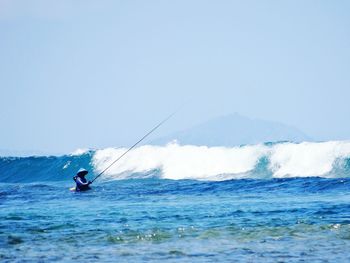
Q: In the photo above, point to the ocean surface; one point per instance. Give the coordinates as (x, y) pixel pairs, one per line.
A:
(273, 202)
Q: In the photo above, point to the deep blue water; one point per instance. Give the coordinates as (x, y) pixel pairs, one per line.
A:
(134, 215)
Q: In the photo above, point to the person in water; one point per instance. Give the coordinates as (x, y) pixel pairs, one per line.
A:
(81, 183)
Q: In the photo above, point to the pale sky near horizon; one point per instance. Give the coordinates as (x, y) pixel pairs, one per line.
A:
(81, 74)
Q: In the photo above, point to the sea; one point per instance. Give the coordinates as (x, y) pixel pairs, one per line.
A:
(271, 202)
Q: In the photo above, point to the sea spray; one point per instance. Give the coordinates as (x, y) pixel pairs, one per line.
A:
(280, 160)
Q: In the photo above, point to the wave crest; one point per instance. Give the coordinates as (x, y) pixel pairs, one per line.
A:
(263, 161)
(281, 160)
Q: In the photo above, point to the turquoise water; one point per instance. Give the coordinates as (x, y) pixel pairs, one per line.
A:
(160, 220)
(260, 204)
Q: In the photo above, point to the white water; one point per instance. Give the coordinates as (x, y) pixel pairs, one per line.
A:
(221, 163)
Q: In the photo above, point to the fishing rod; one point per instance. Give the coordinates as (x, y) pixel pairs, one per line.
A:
(132, 147)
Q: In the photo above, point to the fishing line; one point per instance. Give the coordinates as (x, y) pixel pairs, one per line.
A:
(139, 141)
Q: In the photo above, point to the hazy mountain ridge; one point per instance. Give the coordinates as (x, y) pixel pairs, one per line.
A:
(233, 130)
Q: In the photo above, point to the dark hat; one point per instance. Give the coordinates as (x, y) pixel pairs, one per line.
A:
(82, 172)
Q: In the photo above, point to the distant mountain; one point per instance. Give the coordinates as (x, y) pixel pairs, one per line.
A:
(233, 130)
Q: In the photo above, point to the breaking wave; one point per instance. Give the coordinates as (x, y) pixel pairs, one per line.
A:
(280, 160)
(263, 161)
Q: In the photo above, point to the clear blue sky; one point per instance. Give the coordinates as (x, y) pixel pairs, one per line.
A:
(101, 73)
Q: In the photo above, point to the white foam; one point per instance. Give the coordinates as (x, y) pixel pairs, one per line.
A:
(182, 162)
(307, 159)
(222, 163)
(79, 152)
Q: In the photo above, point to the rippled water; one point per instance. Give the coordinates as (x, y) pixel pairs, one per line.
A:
(286, 220)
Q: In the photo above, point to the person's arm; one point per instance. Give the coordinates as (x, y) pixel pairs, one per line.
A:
(80, 182)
